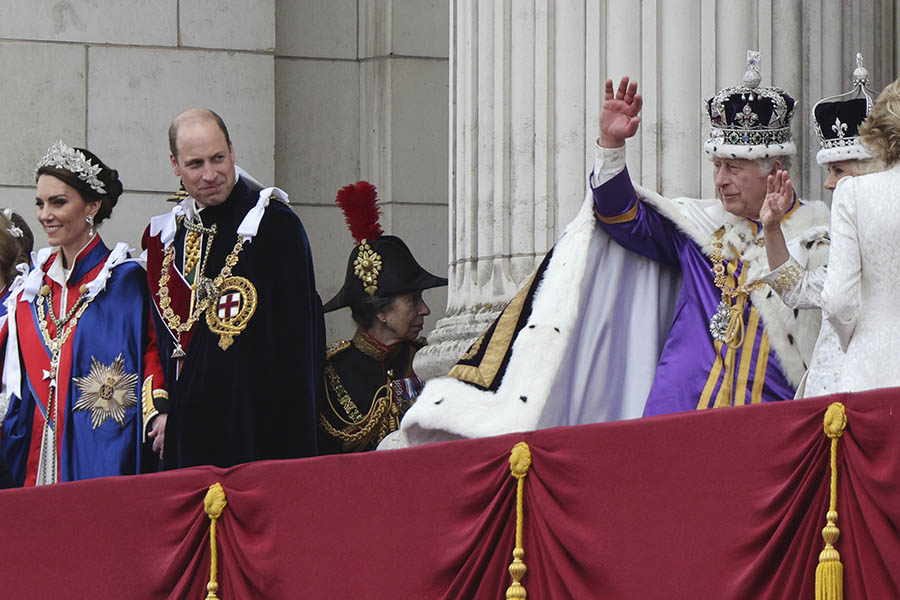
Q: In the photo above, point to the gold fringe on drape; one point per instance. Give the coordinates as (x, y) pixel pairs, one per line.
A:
(830, 571)
(519, 463)
(213, 504)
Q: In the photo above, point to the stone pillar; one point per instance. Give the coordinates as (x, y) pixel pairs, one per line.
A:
(361, 93)
(526, 86)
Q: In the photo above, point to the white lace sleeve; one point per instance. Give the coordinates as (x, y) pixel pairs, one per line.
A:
(841, 295)
(797, 287)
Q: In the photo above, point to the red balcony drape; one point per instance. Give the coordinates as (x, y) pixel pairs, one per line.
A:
(727, 503)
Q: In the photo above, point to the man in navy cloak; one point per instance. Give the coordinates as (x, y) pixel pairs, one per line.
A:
(237, 316)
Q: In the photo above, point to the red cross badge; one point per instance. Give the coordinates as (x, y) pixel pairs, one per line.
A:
(229, 305)
(229, 315)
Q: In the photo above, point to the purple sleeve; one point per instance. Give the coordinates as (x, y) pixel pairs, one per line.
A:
(633, 223)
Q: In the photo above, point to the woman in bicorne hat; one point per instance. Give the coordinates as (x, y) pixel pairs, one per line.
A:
(369, 380)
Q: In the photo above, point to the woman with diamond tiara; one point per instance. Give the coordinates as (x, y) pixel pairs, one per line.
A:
(80, 367)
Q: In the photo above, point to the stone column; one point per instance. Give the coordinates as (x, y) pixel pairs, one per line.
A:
(361, 88)
(526, 87)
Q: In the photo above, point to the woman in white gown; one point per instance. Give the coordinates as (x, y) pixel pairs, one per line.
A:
(837, 121)
(859, 297)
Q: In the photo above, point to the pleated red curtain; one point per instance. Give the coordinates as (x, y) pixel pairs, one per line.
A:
(728, 503)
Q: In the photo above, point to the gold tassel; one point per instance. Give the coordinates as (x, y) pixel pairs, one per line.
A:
(213, 504)
(519, 463)
(830, 571)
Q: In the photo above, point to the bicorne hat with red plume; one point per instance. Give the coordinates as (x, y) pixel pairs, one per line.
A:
(379, 265)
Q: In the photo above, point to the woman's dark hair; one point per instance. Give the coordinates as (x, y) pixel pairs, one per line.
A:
(365, 311)
(26, 241)
(109, 177)
(13, 244)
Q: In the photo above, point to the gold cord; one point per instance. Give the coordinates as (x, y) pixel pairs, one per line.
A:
(383, 403)
(735, 296)
(214, 504)
(830, 571)
(519, 463)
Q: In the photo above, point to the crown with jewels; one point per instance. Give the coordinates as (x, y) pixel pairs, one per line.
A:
(838, 118)
(61, 156)
(749, 121)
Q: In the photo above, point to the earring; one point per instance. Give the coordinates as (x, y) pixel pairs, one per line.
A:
(90, 221)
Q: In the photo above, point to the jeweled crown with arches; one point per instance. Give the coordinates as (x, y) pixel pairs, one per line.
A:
(749, 120)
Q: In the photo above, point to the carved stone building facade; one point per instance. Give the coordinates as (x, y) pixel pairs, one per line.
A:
(526, 87)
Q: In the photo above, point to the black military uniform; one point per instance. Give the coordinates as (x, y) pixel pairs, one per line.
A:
(369, 386)
(368, 389)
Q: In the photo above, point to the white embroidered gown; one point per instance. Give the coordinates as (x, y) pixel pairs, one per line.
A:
(859, 297)
(801, 288)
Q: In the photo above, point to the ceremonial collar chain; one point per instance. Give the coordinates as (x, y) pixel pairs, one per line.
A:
(199, 228)
(64, 328)
(206, 290)
(727, 324)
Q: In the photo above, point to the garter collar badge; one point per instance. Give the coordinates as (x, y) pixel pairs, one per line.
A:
(107, 392)
(229, 314)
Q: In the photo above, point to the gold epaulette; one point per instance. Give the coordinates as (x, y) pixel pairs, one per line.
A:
(336, 348)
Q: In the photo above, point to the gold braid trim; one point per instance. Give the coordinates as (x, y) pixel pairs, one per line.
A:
(148, 406)
(148, 410)
(336, 348)
(191, 251)
(830, 571)
(519, 463)
(383, 414)
(789, 277)
(347, 403)
(625, 217)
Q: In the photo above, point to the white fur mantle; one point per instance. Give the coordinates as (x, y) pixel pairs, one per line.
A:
(529, 396)
(792, 333)
(634, 298)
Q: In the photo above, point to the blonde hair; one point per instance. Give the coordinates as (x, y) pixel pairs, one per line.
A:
(864, 166)
(880, 132)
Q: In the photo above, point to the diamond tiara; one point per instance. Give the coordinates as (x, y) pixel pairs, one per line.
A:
(61, 156)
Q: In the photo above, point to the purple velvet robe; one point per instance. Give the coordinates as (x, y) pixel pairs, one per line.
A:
(692, 366)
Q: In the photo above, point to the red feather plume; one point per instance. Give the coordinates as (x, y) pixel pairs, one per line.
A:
(359, 203)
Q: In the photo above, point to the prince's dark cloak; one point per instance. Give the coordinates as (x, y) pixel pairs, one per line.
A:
(256, 399)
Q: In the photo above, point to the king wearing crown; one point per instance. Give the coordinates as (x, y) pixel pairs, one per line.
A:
(731, 341)
(601, 331)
